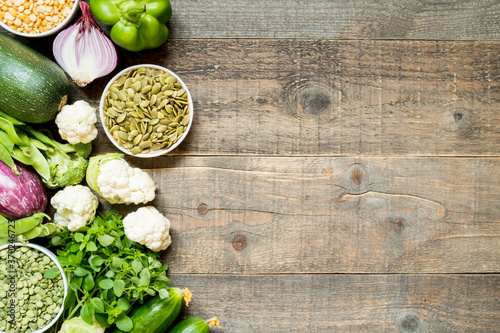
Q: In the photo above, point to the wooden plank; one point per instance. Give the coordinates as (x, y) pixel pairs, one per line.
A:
(256, 215)
(306, 97)
(346, 303)
(347, 19)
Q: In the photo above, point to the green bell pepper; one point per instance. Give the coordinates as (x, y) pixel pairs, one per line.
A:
(136, 25)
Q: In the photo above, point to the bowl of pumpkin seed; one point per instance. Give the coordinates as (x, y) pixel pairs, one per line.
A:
(146, 110)
(32, 290)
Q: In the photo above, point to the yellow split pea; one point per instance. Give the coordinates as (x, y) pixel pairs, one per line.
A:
(34, 16)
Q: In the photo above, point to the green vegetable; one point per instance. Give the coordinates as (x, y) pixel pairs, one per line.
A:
(22, 225)
(108, 273)
(194, 325)
(58, 164)
(92, 172)
(136, 24)
(33, 87)
(157, 314)
(26, 228)
(77, 325)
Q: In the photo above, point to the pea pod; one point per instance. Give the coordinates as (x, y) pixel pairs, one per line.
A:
(23, 225)
(7, 158)
(8, 117)
(22, 155)
(38, 144)
(40, 164)
(6, 140)
(18, 136)
(32, 156)
(42, 230)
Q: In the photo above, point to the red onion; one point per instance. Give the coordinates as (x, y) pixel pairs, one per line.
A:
(84, 51)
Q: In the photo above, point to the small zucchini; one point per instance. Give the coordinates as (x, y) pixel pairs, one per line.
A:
(195, 325)
(34, 88)
(157, 314)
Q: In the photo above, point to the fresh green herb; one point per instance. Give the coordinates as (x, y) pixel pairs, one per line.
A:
(108, 272)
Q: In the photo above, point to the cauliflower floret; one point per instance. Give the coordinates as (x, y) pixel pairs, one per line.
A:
(147, 226)
(75, 206)
(118, 182)
(76, 123)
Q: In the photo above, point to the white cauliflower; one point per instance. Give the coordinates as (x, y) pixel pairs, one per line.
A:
(75, 206)
(77, 325)
(76, 122)
(147, 226)
(117, 182)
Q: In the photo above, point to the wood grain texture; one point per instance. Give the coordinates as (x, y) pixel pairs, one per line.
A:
(324, 98)
(346, 303)
(254, 215)
(346, 19)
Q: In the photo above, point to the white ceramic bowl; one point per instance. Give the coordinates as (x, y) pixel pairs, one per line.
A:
(52, 31)
(52, 256)
(102, 116)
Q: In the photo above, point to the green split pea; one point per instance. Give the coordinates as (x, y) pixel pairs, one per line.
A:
(28, 300)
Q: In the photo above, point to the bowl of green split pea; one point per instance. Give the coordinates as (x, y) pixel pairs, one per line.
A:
(32, 289)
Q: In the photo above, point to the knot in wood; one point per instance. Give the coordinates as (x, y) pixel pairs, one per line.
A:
(409, 323)
(357, 176)
(315, 102)
(458, 115)
(308, 97)
(399, 224)
(239, 242)
(203, 209)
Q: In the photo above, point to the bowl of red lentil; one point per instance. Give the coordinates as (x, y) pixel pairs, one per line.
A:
(36, 18)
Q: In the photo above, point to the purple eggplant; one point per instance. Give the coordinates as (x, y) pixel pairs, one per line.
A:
(21, 195)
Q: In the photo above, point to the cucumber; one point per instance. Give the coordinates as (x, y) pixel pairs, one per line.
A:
(156, 314)
(34, 88)
(194, 325)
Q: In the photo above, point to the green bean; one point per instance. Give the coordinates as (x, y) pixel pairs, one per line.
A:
(39, 144)
(7, 159)
(18, 136)
(40, 164)
(8, 117)
(22, 154)
(6, 140)
(24, 225)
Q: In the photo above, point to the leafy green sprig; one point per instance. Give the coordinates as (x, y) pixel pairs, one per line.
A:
(107, 272)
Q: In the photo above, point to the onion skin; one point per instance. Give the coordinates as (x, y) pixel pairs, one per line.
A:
(21, 195)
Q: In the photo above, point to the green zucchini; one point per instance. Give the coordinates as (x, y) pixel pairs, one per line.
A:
(156, 314)
(194, 325)
(34, 88)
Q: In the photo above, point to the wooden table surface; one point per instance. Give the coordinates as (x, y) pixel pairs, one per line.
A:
(342, 170)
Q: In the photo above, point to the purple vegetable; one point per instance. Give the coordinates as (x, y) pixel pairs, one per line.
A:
(21, 195)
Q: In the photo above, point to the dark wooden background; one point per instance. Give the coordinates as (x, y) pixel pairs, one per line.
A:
(342, 170)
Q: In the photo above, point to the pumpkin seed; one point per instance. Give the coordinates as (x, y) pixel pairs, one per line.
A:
(150, 107)
(137, 139)
(145, 144)
(123, 135)
(136, 150)
(121, 117)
